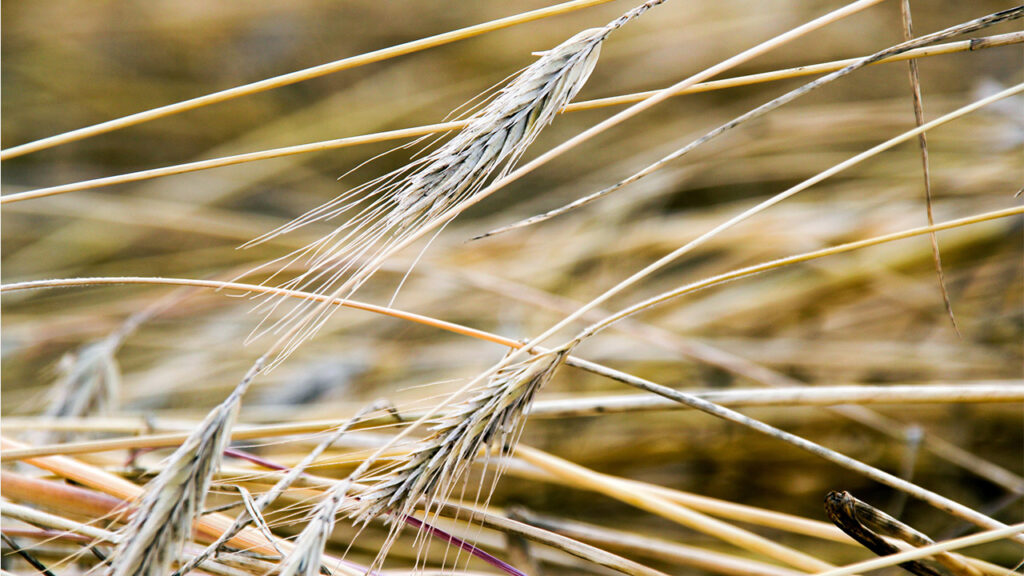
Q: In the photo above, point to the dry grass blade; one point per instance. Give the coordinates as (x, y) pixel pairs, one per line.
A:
(906, 46)
(974, 44)
(163, 521)
(922, 141)
(293, 77)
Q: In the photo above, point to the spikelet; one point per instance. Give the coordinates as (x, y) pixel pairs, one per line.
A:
(89, 384)
(382, 213)
(490, 418)
(163, 521)
(305, 557)
(310, 545)
(90, 381)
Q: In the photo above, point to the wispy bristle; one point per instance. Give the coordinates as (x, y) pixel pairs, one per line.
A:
(305, 558)
(490, 418)
(307, 547)
(394, 207)
(172, 501)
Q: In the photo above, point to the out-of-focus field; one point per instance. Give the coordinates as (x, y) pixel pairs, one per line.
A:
(874, 316)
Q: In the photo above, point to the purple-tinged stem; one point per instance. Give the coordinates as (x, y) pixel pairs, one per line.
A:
(451, 539)
(257, 460)
(409, 520)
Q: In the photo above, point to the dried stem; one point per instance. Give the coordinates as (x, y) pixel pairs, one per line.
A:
(924, 552)
(922, 141)
(582, 477)
(293, 77)
(974, 44)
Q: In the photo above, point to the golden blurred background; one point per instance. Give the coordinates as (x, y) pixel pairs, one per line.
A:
(874, 316)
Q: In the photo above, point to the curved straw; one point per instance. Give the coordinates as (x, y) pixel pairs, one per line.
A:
(628, 282)
(788, 193)
(210, 525)
(171, 439)
(297, 76)
(926, 551)
(973, 44)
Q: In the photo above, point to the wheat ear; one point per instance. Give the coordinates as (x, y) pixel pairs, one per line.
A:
(246, 517)
(89, 382)
(490, 417)
(305, 558)
(90, 379)
(173, 500)
(384, 212)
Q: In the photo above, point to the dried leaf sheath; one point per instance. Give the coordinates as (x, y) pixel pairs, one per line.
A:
(385, 211)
